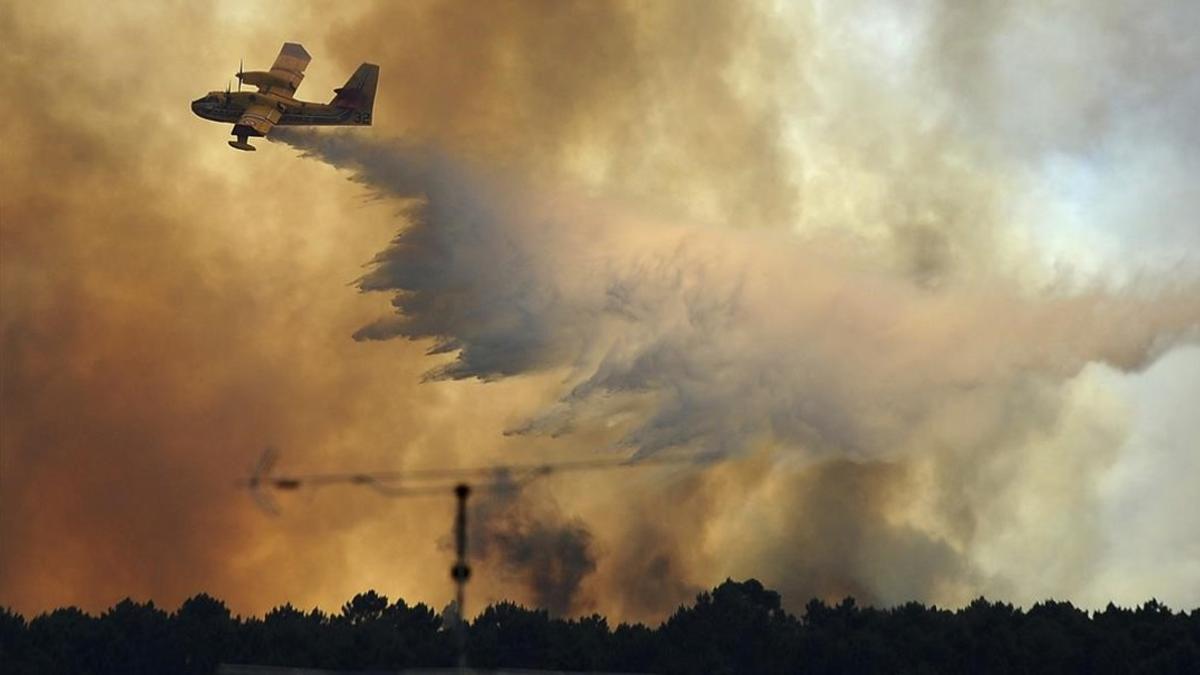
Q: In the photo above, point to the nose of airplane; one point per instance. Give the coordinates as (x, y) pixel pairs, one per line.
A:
(200, 108)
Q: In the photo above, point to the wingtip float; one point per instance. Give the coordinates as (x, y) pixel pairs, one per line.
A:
(274, 104)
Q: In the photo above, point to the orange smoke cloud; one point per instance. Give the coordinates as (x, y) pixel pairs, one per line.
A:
(169, 308)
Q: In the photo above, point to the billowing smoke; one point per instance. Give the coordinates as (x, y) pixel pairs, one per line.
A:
(530, 543)
(712, 337)
(684, 336)
(878, 254)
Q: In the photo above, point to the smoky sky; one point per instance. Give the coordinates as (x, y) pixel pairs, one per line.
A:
(723, 340)
(532, 544)
(887, 259)
(730, 335)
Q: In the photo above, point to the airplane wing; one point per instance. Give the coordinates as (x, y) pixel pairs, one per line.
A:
(288, 70)
(260, 117)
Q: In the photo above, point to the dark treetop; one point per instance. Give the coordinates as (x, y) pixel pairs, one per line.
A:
(739, 627)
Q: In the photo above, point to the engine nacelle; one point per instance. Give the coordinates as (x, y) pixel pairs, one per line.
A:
(265, 79)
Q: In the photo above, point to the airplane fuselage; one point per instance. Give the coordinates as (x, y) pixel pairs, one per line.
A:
(220, 106)
(255, 113)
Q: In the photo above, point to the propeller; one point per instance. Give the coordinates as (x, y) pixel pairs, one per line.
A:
(241, 62)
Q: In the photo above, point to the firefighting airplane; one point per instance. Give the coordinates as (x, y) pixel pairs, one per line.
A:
(255, 113)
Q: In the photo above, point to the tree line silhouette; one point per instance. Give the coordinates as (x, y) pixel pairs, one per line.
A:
(738, 627)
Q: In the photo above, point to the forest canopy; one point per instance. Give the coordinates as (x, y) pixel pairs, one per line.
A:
(738, 627)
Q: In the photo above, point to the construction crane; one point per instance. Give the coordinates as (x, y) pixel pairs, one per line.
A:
(460, 482)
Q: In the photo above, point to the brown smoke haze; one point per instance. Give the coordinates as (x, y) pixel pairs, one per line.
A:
(811, 240)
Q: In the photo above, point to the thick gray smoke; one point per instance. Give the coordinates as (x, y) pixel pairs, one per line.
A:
(913, 405)
(858, 381)
(533, 545)
(714, 337)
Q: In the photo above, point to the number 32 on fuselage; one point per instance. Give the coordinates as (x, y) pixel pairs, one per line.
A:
(256, 113)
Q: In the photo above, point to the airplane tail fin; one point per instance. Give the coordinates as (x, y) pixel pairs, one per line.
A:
(359, 91)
